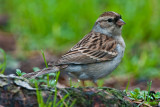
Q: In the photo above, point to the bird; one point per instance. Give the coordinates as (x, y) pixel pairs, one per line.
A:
(96, 55)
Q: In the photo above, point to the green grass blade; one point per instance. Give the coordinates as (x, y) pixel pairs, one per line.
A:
(39, 96)
(62, 105)
(74, 101)
(46, 66)
(48, 100)
(55, 98)
(62, 100)
(4, 64)
(149, 88)
(44, 58)
(57, 76)
(128, 85)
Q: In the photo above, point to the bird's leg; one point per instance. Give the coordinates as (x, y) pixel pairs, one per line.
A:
(83, 83)
(95, 83)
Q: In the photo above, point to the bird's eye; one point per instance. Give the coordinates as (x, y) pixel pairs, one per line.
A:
(110, 20)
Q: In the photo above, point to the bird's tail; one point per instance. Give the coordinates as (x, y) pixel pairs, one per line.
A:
(41, 72)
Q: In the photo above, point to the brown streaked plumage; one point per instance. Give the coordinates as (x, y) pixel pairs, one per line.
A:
(96, 55)
(99, 48)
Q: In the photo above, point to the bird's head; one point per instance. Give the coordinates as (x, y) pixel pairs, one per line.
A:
(109, 23)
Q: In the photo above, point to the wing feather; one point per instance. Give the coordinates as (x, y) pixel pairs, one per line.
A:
(94, 47)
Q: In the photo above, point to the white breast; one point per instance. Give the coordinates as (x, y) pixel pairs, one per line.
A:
(100, 70)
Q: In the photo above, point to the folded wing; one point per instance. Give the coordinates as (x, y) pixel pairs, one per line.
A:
(94, 47)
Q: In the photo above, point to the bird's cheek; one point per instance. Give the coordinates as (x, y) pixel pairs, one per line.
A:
(103, 25)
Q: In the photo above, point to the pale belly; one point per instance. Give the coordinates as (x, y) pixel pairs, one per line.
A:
(96, 70)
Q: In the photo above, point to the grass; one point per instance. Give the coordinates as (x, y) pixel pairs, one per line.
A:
(127, 85)
(42, 52)
(3, 64)
(50, 102)
(41, 102)
(51, 83)
(142, 97)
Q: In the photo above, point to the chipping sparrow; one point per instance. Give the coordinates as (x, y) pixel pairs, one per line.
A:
(96, 55)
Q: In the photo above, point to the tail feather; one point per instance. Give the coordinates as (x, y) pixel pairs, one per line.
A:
(41, 72)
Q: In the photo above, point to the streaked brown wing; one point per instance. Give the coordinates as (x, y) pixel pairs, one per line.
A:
(94, 47)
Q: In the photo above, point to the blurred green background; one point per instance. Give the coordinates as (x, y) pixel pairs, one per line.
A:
(56, 25)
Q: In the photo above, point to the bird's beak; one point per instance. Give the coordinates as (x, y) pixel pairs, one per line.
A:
(120, 22)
